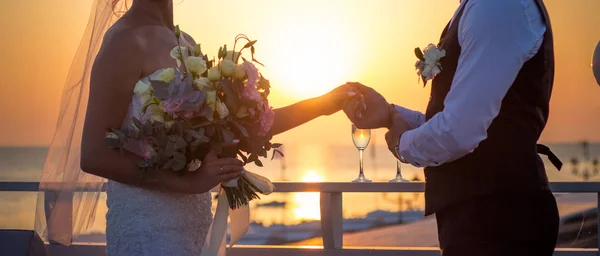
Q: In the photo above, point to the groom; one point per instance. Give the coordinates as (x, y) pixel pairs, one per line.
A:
(477, 140)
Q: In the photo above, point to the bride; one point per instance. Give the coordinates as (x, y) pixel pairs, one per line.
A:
(170, 215)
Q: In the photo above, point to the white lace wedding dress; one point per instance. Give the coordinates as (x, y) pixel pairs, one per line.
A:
(148, 223)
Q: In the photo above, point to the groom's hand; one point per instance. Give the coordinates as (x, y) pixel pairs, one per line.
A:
(399, 126)
(370, 111)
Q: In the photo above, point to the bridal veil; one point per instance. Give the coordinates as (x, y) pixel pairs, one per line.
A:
(68, 196)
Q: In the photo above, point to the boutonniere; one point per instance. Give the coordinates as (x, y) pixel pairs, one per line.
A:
(428, 63)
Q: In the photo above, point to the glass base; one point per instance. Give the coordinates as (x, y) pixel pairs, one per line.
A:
(399, 179)
(361, 179)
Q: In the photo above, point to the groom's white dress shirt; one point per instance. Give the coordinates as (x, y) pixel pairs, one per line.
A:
(496, 39)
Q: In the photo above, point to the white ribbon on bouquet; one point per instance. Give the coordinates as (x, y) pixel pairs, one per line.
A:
(215, 243)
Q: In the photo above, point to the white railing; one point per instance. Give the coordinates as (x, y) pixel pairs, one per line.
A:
(331, 221)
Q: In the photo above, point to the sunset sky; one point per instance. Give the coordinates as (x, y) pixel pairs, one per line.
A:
(309, 47)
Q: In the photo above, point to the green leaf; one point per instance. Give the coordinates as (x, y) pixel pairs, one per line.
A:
(276, 145)
(178, 141)
(240, 127)
(263, 153)
(253, 59)
(178, 156)
(113, 143)
(197, 50)
(178, 165)
(419, 54)
(160, 89)
(169, 149)
(275, 151)
(137, 123)
(253, 157)
(168, 165)
(199, 133)
(264, 83)
(241, 154)
(249, 44)
(258, 163)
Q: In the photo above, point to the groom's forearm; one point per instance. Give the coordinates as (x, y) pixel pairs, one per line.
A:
(294, 115)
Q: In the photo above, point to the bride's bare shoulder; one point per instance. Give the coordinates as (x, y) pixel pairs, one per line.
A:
(121, 35)
(124, 43)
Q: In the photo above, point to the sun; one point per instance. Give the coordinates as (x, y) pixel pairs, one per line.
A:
(313, 59)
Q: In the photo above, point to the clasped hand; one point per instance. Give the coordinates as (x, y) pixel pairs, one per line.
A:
(370, 110)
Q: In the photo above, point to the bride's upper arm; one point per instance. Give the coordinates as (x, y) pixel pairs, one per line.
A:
(116, 70)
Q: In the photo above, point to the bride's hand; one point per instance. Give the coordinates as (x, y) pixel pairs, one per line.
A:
(371, 111)
(335, 100)
(213, 172)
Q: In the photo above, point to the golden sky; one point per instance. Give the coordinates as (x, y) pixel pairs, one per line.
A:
(308, 47)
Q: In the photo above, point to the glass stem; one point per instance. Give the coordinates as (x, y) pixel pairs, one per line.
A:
(398, 170)
(360, 157)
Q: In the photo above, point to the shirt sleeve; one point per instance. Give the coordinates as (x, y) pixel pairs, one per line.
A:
(412, 117)
(496, 38)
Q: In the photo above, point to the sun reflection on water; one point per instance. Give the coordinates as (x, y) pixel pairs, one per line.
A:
(306, 205)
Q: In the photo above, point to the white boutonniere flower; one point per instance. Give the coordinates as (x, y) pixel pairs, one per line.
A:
(428, 63)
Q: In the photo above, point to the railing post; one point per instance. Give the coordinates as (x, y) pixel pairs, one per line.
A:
(332, 220)
(598, 222)
(58, 203)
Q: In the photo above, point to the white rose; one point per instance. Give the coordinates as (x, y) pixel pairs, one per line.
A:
(145, 99)
(176, 54)
(239, 73)
(432, 54)
(427, 72)
(165, 75)
(228, 68)
(211, 99)
(157, 114)
(222, 109)
(144, 91)
(214, 74)
(141, 87)
(202, 83)
(196, 65)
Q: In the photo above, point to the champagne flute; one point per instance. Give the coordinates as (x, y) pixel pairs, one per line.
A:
(398, 177)
(361, 138)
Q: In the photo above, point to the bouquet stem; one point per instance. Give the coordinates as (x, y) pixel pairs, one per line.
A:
(242, 194)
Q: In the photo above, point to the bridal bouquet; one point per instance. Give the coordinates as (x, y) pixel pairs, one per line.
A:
(220, 105)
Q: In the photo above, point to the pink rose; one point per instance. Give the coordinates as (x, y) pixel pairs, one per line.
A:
(266, 118)
(251, 72)
(250, 93)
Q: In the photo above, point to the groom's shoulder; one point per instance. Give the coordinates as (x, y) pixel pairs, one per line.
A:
(498, 7)
(483, 13)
